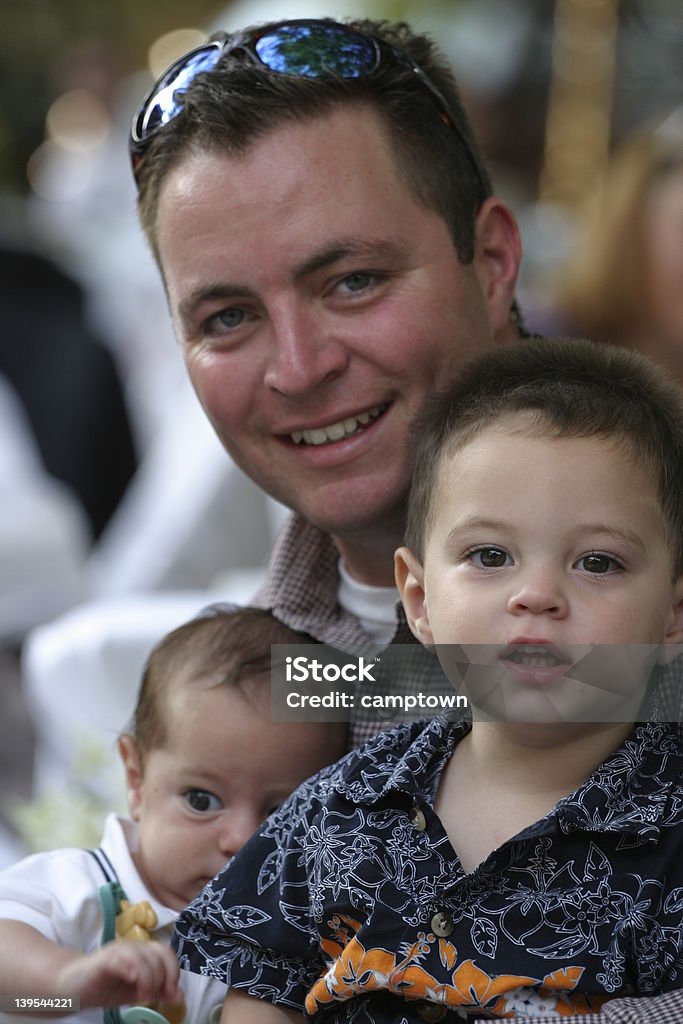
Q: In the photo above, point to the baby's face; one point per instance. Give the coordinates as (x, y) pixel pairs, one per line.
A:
(223, 768)
(540, 549)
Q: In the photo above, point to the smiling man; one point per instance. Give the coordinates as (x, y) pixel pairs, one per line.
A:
(336, 304)
(333, 255)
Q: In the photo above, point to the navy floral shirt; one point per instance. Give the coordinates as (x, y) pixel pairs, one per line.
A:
(351, 904)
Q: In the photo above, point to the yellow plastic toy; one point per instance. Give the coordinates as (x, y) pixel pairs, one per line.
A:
(137, 921)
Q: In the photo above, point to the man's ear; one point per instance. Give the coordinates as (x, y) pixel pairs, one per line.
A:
(497, 257)
(129, 752)
(409, 576)
(674, 633)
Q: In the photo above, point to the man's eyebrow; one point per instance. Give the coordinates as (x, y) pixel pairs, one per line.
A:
(355, 247)
(188, 306)
(343, 248)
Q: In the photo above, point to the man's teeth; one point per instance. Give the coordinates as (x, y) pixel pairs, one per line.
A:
(336, 431)
(533, 656)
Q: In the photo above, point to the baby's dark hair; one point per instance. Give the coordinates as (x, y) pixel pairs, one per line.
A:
(223, 646)
(569, 388)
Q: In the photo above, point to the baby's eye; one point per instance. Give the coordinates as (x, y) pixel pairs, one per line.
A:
(489, 557)
(598, 563)
(202, 801)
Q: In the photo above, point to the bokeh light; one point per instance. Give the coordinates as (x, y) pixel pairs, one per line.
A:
(172, 45)
(58, 174)
(78, 120)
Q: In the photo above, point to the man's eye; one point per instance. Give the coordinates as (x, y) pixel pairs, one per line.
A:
(201, 801)
(489, 558)
(597, 563)
(357, 282)
(229, 318)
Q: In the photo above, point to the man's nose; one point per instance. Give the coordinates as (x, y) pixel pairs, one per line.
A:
(539, 593)
(303, 353)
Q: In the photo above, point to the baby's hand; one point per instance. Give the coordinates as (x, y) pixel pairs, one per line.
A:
(123, 972)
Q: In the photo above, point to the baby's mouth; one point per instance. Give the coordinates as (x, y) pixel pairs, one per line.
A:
(339, 430)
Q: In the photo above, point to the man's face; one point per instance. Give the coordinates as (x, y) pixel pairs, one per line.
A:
(318, 306)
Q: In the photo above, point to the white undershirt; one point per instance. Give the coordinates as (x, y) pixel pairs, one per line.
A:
(374, 607)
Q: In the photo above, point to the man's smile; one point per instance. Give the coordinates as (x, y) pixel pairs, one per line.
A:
(341, 429)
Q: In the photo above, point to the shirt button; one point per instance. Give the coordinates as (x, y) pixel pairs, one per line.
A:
(430, 1011)
(417, 819)
(442, 924)
(215, 1014)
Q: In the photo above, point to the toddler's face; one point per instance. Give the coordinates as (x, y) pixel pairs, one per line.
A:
(223, 768)
(540, 549)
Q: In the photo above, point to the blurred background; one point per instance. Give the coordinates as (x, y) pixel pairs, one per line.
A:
(114, 495)
(552, 85)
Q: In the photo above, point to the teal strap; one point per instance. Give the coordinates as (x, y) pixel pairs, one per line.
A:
(110, 896)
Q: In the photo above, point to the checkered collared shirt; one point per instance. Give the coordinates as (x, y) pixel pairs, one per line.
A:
(301, 590)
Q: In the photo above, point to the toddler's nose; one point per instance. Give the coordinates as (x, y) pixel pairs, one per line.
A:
(539, 595)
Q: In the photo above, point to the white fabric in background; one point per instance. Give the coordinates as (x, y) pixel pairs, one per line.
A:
(44, 535)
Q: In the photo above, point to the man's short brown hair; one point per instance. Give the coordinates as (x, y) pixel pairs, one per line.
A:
(230, 107)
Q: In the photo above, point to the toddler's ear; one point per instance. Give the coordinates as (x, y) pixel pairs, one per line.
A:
(409, 576)
(674, 633)
(129, 752)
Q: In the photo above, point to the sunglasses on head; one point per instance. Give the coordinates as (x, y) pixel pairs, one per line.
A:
(303, 48)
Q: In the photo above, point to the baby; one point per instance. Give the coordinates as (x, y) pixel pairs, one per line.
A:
(531, 861)
(204, 766)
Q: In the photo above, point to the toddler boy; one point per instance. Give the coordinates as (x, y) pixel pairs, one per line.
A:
(204, 766)
(530, 862)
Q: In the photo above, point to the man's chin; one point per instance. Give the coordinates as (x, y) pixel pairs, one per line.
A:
(361, 526)
(352, 511)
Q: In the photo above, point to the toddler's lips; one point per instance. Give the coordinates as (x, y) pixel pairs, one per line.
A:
(537, 663)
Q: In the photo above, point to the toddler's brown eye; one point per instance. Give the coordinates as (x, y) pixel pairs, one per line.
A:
(491, 558)
(597, 563)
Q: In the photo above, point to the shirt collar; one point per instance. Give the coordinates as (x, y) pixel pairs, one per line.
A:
(625, 793)
(119, 842)
(406, 759)
(301, 589)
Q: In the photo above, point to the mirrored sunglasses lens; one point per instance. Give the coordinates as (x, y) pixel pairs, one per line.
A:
(168, 101)
(313, 50)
